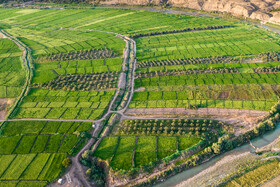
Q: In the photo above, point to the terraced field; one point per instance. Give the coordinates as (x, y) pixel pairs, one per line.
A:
(88, 67)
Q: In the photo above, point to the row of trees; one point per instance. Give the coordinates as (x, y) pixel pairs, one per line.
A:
(267, 69)
(178, 31)
(171, 123)
(79, 55)
(270, 57)
(171, 127)
(186, 72)
(167, 131)
(84, 82)
(265, 57)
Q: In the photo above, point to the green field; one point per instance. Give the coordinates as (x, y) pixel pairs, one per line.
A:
(243, 40)
(49, 137)
(145, 152)
(79, 71)
(52, 104)
(31, 152)
(138, 143)
(12, 75)
(41, 167)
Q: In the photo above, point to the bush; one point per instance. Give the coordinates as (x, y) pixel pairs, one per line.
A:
(66, 162)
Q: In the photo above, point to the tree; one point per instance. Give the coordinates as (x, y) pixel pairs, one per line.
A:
(66, 162)
(217, 148)
(86, 155)
(88, 172)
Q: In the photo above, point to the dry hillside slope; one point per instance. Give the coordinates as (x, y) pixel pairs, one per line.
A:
(265, 10)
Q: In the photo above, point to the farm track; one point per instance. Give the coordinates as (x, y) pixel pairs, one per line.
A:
(76, 168)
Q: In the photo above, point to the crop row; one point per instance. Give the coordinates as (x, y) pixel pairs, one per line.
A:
(224, 42)
(13, 128)
(9, 91)
(119, 150)
(63, 104)
(129, 21)
(65, 41)
(30, 167)
(23, 137)
(15, 183)
(12, 75)
(195, 104)
(237, 92)
(209, 79)
(58, 113)
(56, 143)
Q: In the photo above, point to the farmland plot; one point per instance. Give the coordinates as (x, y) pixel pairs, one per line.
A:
(64, 104)
(77, 56)
(12, 75)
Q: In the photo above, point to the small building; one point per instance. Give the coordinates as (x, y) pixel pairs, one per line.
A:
(60, 181)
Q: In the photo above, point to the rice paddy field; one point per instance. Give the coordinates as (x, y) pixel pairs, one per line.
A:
(76, 59)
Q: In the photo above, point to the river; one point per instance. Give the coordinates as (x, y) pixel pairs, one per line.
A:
(258, 142)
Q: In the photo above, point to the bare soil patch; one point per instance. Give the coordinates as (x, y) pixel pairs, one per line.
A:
(272, 183)
(4, 106)
(223, 95)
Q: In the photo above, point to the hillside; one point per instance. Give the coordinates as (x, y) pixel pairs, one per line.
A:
(265, 10)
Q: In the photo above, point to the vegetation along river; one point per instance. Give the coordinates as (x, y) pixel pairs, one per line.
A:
(257, 142)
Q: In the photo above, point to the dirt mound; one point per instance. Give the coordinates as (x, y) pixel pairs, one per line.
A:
(264, 10)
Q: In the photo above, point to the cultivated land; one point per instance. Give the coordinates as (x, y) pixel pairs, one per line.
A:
(149, 94)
